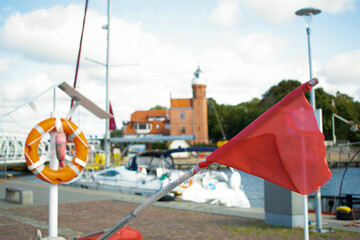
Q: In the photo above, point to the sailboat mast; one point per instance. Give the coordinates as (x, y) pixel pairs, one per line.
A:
(107, 134)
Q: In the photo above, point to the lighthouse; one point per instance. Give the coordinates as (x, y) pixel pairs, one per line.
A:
(200, 123)
(186, 116)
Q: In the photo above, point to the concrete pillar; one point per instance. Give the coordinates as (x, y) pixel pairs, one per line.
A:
(283, 207)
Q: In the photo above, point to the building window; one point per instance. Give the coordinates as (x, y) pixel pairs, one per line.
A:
(182, 130)
(182, 116)
(157, 126)
(156, 119)
(142, 126)
(167, 126)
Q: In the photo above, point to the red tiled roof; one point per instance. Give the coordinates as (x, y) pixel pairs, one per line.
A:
(139, 116)
(129, 129)
(156, 113)
(181, 102)
(161, 130)
(142, 116)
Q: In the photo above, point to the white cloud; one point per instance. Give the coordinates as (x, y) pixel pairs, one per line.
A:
(276, 10)
(226, 13)
(342, 73)
(48, 56)
(344, 67)
(260, 47)
(335, 6)
(48, 35)
(249, 65)
(238, 66)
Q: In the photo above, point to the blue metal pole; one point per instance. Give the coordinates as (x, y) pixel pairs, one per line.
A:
(313, 104)
(312, 92)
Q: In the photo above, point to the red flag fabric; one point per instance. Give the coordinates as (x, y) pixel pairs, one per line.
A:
(125, 233)
(283, 145)
(112, 123)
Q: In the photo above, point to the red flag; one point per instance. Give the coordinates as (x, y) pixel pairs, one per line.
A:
(283, 145)
(125, 233)
(112, 123)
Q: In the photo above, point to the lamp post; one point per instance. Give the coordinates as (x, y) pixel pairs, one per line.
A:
(307, 13)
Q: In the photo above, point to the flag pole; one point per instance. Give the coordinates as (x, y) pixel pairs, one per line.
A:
(312, 82)
(306, 218)
(150, 201)
(189, 174)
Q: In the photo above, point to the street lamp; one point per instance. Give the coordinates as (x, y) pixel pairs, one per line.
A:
(308, 13)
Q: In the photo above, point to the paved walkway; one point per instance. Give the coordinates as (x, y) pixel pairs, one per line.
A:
(83, 211)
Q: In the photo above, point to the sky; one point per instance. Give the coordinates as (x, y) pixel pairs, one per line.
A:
(243, 47)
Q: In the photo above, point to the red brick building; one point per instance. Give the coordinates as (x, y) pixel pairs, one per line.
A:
(186, 116)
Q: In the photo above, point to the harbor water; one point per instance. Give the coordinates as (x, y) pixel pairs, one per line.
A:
(254, 186)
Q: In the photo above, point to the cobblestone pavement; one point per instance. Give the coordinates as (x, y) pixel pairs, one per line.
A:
(154, 223)
(83, 211)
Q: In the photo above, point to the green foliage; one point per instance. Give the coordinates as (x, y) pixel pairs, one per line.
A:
(277, 92)
(116, 133)
(323, 102)
(158, 107)
(349, 110)
(345, 108)
(233, 119)
(157, 146)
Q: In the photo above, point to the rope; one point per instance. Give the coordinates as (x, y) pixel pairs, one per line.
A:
(347, 167)
(79, 54)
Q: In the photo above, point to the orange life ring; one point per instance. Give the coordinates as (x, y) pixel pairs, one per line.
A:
(36, 165)
(187, 186)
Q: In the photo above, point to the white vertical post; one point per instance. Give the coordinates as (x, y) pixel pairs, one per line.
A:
(318, 115)
(107, 133)
(333, 128)
(53, 189)
(306, 218)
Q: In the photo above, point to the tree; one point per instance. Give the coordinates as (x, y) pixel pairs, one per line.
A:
(277, 92)
(158, 107)
(116, 132)
(349, 110)
(323, 102)
(215, 133)
(235, 118)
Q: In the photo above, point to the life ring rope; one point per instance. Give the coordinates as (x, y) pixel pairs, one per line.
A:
(75, 134)
(74, 168)
(68, 158)
(80, 162)
(42, 133)
(40, 130)
(37, 164)
(38, 169)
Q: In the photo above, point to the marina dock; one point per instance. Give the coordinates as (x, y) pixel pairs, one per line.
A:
(83, 211)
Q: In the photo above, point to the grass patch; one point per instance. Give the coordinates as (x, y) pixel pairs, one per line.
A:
(259, 230)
